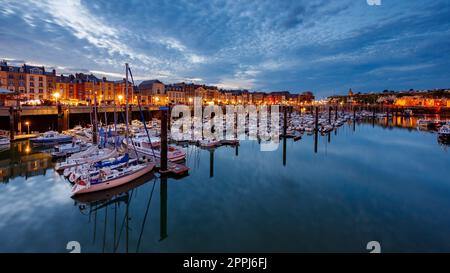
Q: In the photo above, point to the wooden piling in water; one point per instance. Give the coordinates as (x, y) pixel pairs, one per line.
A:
(163, 140)
(211, 163)
(316, 120)
(12, 123)
(163, 208)
(329, 114)
(316, 129)
(335, 112)
(60, 118)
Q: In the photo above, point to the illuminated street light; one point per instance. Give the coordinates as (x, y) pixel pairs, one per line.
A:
(56, 95)
(28, 125)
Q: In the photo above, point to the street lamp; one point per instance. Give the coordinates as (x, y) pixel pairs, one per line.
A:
(56, 95)
(120, 98)
(28, 125)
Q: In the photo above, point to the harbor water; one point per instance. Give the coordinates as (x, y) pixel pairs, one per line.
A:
(367, 182)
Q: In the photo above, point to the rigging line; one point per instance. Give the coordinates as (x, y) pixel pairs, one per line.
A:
(132, 143)
(115, 218)
(145, 216)
(123, 222)
(104, 231)
(142, 115)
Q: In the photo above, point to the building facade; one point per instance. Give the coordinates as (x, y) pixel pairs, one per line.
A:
(152, 92)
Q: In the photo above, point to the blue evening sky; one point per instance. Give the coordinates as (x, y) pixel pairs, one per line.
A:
(326, 46)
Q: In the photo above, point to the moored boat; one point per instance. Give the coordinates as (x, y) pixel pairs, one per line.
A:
(50, 138)
(208, 143)
(110, 178)
(444, 132)
(89, 156)
(152, 149)
(4, 141)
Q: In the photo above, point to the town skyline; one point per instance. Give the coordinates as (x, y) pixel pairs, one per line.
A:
(100, 77)
(312, 45)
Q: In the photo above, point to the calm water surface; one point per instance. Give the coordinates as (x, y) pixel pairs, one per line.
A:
(369, 183)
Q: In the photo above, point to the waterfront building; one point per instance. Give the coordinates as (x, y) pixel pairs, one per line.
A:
(151, 91)
(189, 90)
(258, 98)
(13, 79)
(107, 91)
(175, 94)
(51, 82)
(36, 83)
(200, 92)
(305, 97)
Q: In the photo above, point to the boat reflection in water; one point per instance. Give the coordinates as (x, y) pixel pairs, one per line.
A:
(121, 197)
(21, 160)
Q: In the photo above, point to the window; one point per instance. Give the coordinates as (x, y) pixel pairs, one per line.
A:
(31, 90)
(41, 85)
(40, 79)
(31, 78)
(31, 84)
(41, 91)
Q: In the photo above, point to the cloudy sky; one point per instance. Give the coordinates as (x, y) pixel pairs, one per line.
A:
(320, 45)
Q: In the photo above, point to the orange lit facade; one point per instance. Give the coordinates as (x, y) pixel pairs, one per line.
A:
(120, 88)
(13, 79)
(417, 101)
(36, 85)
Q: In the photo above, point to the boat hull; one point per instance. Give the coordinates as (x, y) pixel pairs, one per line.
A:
(149, 154)
(77, 189)
(50, 141)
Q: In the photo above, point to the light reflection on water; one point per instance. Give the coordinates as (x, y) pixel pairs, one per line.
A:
(365, 183)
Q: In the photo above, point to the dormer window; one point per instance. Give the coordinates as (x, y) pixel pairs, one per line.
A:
(36, 71)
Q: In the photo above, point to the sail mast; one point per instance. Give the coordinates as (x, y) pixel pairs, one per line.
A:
(126, 99)
(95, 114)
(115, 116)
(104, 103)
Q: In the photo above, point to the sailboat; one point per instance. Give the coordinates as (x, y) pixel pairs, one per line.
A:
(151, 149)
(109, 174)
(90, 156)
(444, 133)
(110, 178)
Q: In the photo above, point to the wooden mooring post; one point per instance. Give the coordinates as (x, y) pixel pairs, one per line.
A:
(164, 122)
(329, 114)
(316, 129)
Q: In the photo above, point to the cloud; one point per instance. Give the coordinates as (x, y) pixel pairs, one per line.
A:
(318, 45)
(400, 68)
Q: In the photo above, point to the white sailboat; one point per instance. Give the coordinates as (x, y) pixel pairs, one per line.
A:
(111, 174)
